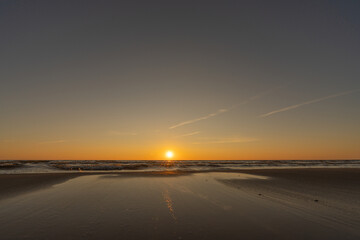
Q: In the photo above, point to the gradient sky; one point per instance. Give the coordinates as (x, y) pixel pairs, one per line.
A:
(207, 79)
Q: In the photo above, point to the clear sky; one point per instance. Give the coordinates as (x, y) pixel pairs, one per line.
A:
(222, 79)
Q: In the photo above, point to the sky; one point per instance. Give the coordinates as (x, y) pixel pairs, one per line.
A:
(216, 80)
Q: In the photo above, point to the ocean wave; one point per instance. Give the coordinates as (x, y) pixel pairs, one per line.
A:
(8, 167)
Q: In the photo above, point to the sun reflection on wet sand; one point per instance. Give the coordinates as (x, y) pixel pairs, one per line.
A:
(169, 204)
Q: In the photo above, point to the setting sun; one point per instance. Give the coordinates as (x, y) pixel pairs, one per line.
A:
(169, 154)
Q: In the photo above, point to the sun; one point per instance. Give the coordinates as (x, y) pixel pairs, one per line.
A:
(169, 154)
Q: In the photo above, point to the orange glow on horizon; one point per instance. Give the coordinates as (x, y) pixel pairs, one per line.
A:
(157, 150)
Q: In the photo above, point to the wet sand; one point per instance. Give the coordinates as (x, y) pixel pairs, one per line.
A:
(247, 204)
(15, 184)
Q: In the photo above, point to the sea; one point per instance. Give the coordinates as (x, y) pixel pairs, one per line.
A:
(56, 166)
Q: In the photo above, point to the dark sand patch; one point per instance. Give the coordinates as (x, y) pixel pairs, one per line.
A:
(14, 184)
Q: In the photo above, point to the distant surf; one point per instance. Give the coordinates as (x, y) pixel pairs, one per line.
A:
(18, 167)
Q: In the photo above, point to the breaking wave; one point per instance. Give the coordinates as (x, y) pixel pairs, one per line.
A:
(8, 167)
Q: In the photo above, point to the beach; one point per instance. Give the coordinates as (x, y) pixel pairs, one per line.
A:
(289, 203)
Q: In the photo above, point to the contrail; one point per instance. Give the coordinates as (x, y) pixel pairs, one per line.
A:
(220, 111)
(308, 102)
(55, 141)
(188, 134)
(116, 133)
(227, 140)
